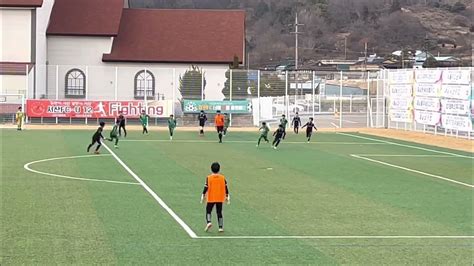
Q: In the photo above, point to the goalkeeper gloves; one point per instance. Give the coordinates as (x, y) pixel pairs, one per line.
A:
(202, 198)
(228, 199)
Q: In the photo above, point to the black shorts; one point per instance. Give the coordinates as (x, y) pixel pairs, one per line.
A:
(220, 129)
(201, 124)
(309, 133)
(94, 140)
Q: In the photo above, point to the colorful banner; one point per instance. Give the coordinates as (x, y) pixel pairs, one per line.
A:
(455, 107)
(427, 104)
(96, 109)
(427, 118)
(427, 90)
(401, 116)
(455, 122)
(401, 103)
(428, 75)
(461, 92)
(401, 90)
(231, 107)
(457, 77)
(400, 77)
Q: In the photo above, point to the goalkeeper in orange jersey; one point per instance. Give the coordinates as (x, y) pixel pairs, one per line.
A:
(219, 122)
(217, 192)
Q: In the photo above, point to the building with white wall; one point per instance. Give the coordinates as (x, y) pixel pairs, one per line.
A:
(18, 44)
(105, 51)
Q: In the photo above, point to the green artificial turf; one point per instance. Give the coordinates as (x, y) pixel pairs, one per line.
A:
(301, 189)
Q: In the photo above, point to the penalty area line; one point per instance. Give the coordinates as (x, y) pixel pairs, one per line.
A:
(186, 228)
(249, 141)
(414, 171)
(335, 237)
(405, 145)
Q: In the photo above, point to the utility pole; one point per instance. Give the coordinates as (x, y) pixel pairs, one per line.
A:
(345, 47)
(296, 33)
(365, 58)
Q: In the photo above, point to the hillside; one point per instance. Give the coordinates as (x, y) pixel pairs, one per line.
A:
(441, 26)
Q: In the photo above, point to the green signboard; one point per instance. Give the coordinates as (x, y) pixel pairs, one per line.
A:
(231, 107)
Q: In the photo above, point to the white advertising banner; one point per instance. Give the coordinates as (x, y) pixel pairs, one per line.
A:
(401, 103)
(455, 107)
(400, 77)
(463, 123)
(427, 118)
(428, 104)
(460, 92)
(456, 77)
(401, 90)
(401, 116)
(428, 75)
(429, 90)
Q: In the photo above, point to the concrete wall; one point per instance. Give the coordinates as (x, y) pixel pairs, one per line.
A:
(73, 51)
(12, 84)
(42, 20)
(15, 35)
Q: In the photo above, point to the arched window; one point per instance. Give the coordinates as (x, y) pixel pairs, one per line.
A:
(75, 84)
(144, 84)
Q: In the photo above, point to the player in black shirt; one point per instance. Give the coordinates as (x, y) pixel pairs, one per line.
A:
(121, 122)
(296, 122)
(97, 137)
(202, 122)
(309, 128)
(279, 134)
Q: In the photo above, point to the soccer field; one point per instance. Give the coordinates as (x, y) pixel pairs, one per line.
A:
(343, 199)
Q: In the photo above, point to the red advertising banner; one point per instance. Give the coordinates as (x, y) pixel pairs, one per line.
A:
(96, 109)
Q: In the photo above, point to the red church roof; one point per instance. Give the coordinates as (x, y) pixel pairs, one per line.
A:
(158, 35)
(21, 3)
(85, 17)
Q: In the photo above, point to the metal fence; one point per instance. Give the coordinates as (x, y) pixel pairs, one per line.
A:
(334, 99)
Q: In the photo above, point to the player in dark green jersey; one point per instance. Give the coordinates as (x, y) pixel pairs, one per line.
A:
(171, 125)
(114, 134)
(263, 133)
(226, 123)
(96, 138)
(144, 120)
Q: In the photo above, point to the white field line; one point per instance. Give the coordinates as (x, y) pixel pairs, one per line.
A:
(248, 141)
(405, 145)
(27, 167)
(335, 237)
(414, 171)
(407, 155)
(154, 195)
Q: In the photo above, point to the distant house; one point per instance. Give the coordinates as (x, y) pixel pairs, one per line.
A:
(335, 65)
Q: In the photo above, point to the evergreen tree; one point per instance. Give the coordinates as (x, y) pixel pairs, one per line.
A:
(191, 82)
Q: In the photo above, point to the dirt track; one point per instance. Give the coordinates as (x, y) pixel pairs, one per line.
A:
(418, 137)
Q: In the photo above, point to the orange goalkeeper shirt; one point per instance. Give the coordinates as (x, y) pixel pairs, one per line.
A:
(219, 120)
(216, 188)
